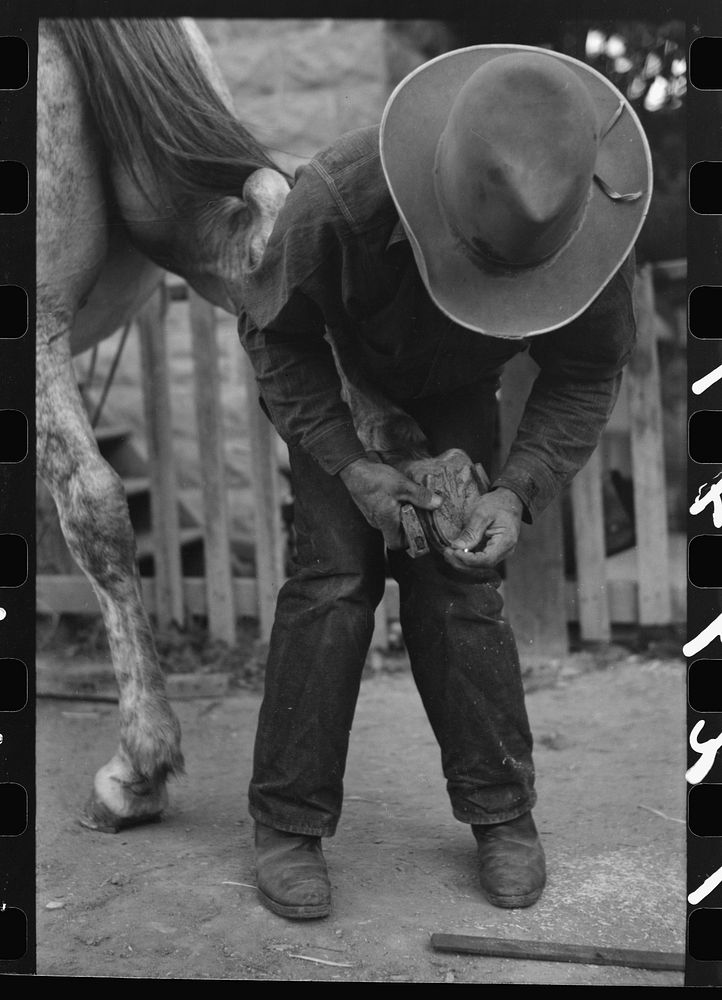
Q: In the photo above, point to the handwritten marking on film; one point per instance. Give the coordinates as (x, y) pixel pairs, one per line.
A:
(706, 888)
(709, 493)
(713, 496)
(707, 750)
(705, 637)
(706, 381)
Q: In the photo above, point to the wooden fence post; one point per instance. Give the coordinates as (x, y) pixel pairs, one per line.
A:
(380, 637)
(264, 476)
(650, 494)
(534, 588)
(163, 489)
(209, 416)
(589, 546)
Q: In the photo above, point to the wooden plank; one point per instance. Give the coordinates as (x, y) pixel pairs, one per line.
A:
(268, 530)
(589, 546)
(96, 682)
(621, 598)
(552, 951)
(647, 442)
(672, 270)
(73, 594)
(534, 589)
(209, 417)
(380, 637)
(155, 379)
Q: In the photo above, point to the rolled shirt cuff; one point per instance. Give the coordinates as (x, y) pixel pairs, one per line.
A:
(336, 447)
(536, 492)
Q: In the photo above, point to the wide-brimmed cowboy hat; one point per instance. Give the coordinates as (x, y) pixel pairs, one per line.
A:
(522, 178)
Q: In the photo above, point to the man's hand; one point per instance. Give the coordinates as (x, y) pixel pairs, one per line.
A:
(379, 492)
(494, 521)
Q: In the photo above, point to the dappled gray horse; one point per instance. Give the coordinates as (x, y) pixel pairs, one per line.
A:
(142, 166)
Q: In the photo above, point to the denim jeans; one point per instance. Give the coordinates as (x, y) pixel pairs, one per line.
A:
(463, 654)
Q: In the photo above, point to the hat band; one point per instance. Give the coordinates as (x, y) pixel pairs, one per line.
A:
(601, 184)
(483, 254)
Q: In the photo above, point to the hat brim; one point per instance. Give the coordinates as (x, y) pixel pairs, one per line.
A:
(528, 301)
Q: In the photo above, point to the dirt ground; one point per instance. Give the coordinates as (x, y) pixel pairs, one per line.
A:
(177, 899)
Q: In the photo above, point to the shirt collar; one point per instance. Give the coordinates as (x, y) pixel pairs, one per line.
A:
(397, 235)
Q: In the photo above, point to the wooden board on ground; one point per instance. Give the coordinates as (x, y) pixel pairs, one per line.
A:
(551, 951)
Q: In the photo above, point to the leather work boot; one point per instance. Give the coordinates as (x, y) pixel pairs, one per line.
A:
(512, 871)
(291, 873)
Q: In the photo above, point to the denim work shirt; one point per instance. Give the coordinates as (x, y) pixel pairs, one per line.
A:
(338, 258)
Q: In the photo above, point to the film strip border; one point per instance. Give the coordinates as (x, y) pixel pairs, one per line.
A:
(704, 647)
(17, 490)
(18, 54)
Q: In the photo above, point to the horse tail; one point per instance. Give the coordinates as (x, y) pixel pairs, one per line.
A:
(148, 91)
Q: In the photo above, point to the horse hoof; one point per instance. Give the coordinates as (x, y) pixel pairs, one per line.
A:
(120, 799)
(97, 816)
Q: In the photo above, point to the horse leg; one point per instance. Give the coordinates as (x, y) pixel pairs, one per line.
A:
(93, 512)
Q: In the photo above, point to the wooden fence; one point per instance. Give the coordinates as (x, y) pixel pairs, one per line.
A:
(649, 591)
(539, 600)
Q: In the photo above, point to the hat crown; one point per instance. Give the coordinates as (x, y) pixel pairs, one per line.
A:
(515, 162)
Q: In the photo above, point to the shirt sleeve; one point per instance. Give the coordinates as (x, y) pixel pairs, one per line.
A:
(300, 387)
(290, 299)
(573, 395)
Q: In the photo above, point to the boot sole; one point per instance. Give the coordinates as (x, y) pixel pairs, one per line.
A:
(514, 902)
(312, 911)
